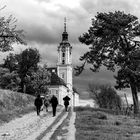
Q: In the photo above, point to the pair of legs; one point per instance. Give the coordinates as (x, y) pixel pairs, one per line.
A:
(54, 110)
(38, 109)
(66, 107)
(46, 108)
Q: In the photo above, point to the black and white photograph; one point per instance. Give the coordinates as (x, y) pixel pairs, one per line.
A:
(69, 70)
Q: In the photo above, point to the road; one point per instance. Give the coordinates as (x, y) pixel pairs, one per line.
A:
(33, 127)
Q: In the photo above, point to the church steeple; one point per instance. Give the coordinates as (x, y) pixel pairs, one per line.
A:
(65, 58)
(65, 34)
(64, 48)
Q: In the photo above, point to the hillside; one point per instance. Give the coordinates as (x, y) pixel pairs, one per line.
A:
(13, 104)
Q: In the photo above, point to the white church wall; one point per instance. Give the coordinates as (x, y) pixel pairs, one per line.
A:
(67, 72)
(54, 90)
(59, 91)
(62, 94)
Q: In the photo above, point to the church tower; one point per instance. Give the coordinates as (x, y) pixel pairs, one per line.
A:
(64, 64)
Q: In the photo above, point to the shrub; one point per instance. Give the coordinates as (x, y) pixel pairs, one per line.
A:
(105, 96)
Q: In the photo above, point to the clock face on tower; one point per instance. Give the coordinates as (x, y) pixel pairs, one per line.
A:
(63, 49)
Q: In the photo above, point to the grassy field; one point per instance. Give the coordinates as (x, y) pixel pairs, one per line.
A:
(98, 124)
(13, 104)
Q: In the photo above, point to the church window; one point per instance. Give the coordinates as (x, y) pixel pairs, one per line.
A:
(63, 75)
(63, 61)
(56, 91)
(63, 54)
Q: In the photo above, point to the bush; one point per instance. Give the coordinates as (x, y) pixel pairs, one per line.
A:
(105, 96)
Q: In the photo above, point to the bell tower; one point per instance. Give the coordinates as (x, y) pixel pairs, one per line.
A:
(65, 59)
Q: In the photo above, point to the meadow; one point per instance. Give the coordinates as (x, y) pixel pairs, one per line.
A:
(101, 124)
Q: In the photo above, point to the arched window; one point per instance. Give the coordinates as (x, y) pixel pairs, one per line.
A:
(63, 61)
(63, 54)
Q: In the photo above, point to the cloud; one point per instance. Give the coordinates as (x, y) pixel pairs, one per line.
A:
(107, 5)
(43, 23)
(41, 34)
(43, 20)
(87, 76)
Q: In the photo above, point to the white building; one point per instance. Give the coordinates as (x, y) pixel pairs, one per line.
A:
(61, 75)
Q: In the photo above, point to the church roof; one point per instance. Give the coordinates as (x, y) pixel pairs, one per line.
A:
(56, 80)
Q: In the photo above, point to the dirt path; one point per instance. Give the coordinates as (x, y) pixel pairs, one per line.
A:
(33, 127)
(67, 121)
(28, 126)
(66, 129)
(49, 134)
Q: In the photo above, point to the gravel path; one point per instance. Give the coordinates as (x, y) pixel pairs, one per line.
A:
(31, 126)
(49, 134)
(28, 126)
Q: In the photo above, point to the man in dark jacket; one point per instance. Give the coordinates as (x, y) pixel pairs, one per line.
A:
(66, 102)
(54, 103)
(38, 103)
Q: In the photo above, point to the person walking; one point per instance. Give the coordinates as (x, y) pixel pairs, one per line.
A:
(54, 103)
(46, 103)
(38, 103)
(66, 102)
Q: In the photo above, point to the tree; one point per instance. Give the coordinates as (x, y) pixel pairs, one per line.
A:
(39, 81)
(105, 96)
(24, 64)
(10, 62)
(9, 34)
(9, 80)
(113, 44)
(27, 63)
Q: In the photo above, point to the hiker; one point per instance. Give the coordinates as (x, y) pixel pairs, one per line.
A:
(66, 102)
(38, 103)
(46, 103)
(54, 103)
(42, 98)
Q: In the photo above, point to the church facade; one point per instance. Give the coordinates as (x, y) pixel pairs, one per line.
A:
(62, 75)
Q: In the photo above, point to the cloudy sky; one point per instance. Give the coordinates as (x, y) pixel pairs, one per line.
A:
(43, 20)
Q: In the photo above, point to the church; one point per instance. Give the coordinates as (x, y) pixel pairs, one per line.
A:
(62, 74)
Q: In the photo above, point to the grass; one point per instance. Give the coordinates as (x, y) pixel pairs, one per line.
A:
(14, 104)
(100, 124)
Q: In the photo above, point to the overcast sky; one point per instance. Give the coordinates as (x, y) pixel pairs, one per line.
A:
(43, 23)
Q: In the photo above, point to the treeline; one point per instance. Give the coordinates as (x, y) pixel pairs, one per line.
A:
(21, 72)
